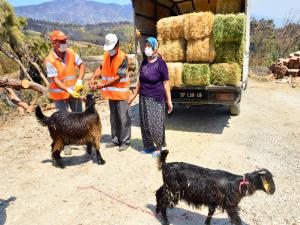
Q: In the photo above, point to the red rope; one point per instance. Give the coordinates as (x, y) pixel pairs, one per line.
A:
(131, 205)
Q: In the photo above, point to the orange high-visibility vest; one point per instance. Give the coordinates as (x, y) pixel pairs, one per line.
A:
(66, 74)
(120, 90)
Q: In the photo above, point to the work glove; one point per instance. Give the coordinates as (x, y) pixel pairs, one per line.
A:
(73, 93)
(79, 85)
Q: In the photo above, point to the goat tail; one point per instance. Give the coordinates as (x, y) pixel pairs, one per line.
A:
(161, 160)
(44, 120)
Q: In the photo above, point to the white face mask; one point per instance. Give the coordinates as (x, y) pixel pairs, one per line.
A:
(112, 52)
(62, 47)
(148, 51)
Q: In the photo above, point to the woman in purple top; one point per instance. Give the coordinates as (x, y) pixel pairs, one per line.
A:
(154, 90)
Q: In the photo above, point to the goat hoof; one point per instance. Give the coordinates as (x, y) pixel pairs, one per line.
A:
(101, 162)
(60, 164)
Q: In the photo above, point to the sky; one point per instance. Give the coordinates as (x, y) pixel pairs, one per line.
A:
(270, 9)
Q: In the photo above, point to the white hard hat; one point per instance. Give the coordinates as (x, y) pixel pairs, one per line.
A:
(110, 42)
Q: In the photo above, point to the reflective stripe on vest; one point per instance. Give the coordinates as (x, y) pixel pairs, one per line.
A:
(66, 73)
(106, 78)
(115, 89)
(73, 77)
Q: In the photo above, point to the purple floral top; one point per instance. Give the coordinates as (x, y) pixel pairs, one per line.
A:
(152, 76)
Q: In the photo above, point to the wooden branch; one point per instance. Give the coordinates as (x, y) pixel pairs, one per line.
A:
(14, 58)
(17, 84)
(42, 75)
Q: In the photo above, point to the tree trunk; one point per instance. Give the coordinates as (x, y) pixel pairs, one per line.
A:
(14, 58)
(17, 84)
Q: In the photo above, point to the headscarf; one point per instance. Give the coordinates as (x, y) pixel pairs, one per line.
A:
(153, 42)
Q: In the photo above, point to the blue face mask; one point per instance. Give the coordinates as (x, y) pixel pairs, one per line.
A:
(112, 52)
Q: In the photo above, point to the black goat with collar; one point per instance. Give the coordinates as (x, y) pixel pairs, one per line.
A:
(199, 186)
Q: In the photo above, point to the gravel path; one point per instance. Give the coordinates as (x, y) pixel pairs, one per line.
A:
(265, 135)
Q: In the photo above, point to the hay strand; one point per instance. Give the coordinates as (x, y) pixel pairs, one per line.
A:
(196, 74)
(175, 74)
(172, 50)
(225, 74)
(170, 28)
(198, 25)
(201, 51)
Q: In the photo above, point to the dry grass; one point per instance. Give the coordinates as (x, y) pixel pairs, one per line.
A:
(225, 74)
(175, 74)
(201, 51)
(196, 74)
(173, 50)
(229, 6)
(170, 28)
(198, 25)
(229, 28)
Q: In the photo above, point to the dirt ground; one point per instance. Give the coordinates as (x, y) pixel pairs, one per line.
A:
(265, 135)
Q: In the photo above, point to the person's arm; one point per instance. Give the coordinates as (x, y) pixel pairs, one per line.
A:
(96, 75)
(166, 83)
(81, 67)
(135, 93)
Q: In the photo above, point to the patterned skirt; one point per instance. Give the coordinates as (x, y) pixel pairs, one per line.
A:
(152, 121)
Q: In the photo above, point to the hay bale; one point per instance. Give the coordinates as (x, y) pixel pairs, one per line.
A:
(225, 74)
(172, 50)
(175, 74)
(201, 50)
(229, 28)
(198, 25)
(230, 53)
(228, 6)
(170, 28)
(196, 74)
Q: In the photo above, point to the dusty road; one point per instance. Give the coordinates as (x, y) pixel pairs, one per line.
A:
(266, 134)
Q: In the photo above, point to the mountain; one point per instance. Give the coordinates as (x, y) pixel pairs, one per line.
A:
(77, 12)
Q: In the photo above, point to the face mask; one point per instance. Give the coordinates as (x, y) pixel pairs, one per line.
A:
(148, 52)
(62, 47)
(112, 52)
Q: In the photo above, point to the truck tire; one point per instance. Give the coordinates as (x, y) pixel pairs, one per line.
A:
(235, 109)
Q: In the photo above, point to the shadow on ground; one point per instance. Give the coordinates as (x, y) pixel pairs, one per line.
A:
(178, 216)
(3, 206)
(201, 119)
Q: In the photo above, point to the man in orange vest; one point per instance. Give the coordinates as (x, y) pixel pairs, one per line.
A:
(115, 87)
(61, 66)
(64, 85)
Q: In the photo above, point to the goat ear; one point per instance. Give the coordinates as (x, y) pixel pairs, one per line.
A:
(265, 183)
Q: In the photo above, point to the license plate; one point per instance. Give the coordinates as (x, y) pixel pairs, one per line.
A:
(185, 94)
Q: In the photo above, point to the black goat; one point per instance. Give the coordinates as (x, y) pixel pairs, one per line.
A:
(68, 128)
(199, 186)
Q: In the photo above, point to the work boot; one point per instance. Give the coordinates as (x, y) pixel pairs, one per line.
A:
(67, 150)
(123, 147)
(111, 145)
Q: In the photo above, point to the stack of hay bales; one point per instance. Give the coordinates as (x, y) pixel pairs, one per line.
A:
(198, 29)
(201, 39)
(229, 34)
(172, 45)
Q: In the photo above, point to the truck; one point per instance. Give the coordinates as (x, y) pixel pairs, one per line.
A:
(146, 13)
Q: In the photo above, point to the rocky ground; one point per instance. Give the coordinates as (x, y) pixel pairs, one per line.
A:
(265, 135)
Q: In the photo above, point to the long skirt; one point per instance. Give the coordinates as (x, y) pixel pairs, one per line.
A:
(152, 121)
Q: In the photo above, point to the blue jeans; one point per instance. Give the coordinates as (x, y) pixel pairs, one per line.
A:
(75, 104)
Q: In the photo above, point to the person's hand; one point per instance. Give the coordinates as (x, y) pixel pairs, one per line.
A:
(131, 98)
(79, 85)
(73, 93)
(92, 82)
(137, 34)
(170, 106)
(98, 86)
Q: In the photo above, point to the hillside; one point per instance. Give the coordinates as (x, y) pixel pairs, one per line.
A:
(77, 12)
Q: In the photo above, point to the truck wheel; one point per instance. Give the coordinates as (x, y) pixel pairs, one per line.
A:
(235, 109)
